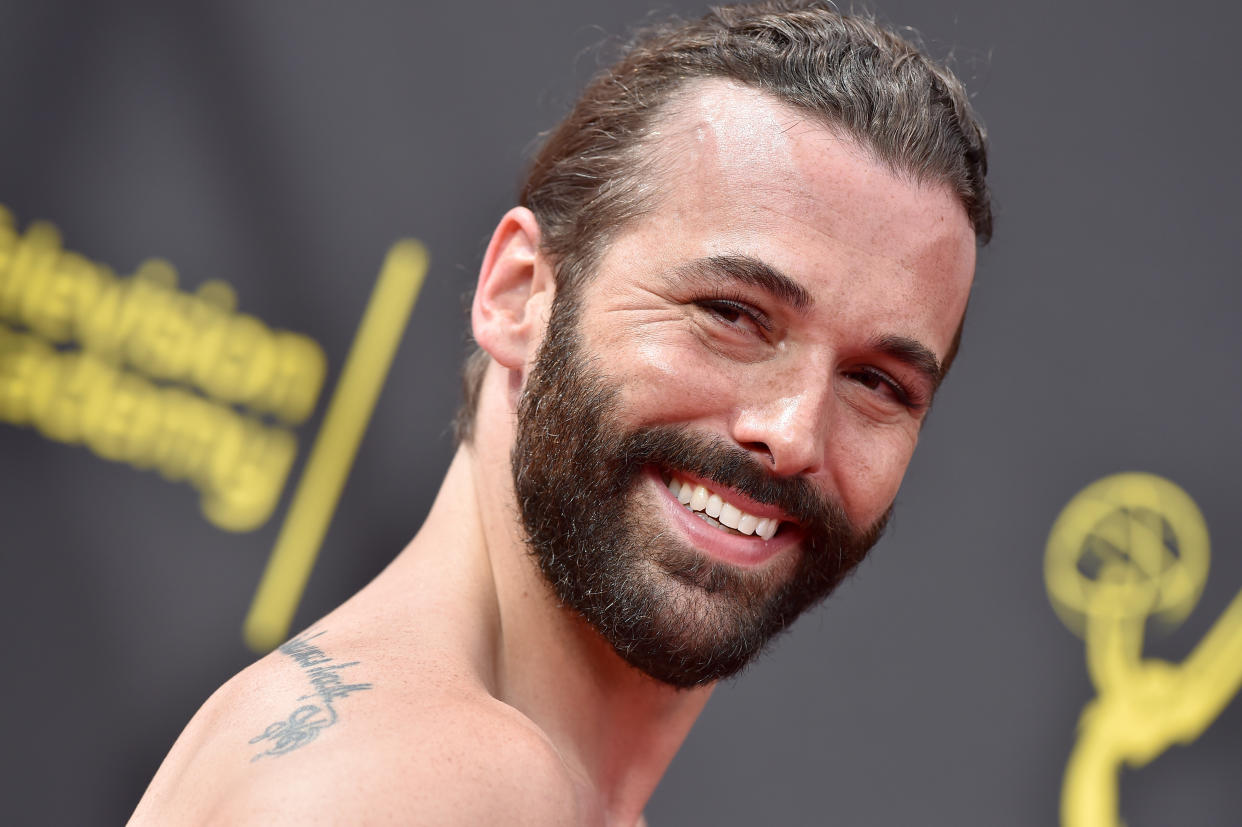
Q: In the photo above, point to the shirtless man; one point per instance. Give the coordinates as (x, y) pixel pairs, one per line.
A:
(708, 339)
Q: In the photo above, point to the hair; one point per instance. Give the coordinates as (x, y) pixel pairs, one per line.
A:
(593, 174)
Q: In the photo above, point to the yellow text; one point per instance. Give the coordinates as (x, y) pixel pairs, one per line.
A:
(144, 321)
(237, 463)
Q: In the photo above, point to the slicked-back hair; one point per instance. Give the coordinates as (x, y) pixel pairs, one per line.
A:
(593, 174)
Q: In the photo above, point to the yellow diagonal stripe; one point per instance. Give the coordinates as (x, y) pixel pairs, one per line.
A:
(314, 502)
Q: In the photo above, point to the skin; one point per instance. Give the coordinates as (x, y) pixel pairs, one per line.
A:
(489, 702)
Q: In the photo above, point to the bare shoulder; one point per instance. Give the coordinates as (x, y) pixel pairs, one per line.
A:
(460, 763)
(333, 731)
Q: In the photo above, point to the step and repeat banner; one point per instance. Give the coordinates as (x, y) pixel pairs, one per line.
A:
(235, 240)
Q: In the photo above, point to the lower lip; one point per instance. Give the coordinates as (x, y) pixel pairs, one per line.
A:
(744, 551)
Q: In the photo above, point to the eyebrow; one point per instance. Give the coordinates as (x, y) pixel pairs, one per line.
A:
(760, 274)
(913, 353)
(751, 271)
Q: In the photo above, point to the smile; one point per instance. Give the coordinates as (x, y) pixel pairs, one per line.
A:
(719, 512)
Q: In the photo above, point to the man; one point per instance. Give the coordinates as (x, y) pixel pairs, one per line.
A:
(708, 339)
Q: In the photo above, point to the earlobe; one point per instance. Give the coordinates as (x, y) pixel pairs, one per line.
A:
(514, 292)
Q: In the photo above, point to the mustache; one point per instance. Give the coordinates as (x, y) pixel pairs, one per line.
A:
(677, 448)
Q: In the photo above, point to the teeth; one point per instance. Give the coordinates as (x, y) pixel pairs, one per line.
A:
(698, 498)
(714, 504)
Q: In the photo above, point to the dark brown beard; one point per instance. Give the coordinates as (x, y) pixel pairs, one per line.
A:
(665, 608)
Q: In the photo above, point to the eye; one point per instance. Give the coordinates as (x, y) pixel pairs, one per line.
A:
(880, 383)
(737, 315)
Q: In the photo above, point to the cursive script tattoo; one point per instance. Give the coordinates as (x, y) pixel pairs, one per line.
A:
(305, 723)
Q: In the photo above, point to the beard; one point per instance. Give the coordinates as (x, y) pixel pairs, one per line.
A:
(664, 607)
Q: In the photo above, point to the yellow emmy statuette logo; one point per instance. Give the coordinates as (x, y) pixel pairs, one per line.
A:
(1126, 549)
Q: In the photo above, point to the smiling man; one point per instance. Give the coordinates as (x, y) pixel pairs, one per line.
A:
(708, 339)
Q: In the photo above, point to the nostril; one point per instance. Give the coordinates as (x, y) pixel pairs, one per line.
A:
(761, 448)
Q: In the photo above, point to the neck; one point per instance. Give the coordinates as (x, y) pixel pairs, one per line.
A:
(619, 726)
(615, 727)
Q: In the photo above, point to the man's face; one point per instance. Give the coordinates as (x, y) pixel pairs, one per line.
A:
(770, 334)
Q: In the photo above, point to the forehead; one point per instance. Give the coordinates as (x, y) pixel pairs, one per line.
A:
(740, 172)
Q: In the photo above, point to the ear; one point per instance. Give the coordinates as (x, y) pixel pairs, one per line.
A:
(515, 291)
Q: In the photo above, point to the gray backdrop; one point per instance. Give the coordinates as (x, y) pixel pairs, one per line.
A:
(283, 146)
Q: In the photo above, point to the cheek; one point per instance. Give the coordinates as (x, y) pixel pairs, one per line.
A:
(869, 469)
(666, 383)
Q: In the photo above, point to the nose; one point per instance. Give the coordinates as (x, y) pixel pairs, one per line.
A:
(788, 430)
